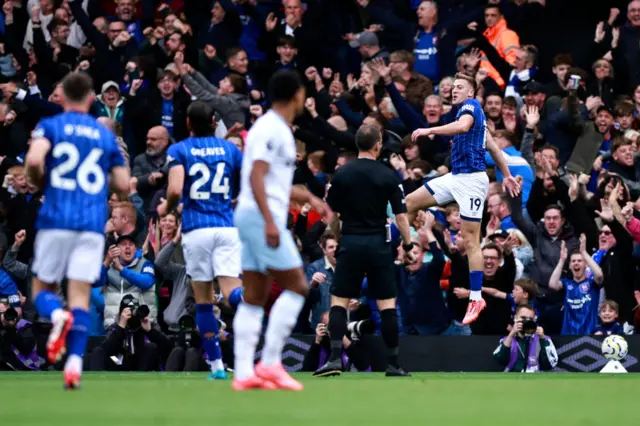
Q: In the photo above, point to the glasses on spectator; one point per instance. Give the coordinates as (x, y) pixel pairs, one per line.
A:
(605, 232)
(492, 258)
(603, 66)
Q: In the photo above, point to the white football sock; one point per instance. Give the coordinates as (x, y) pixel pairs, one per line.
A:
(56, 316)
(74, 363)
(282, 319)
(475, 294)
(216, 365)
(247, 325)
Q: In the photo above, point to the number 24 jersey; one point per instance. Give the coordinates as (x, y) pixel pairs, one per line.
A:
(211, 181)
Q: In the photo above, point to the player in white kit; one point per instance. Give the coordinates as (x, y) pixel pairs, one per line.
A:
(268, 247)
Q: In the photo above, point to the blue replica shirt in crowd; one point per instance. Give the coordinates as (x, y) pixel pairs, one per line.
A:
(468, 149)
(251, 32)
(167, 115)
(580, 307)
(426, 54)
(211, 181)
(9, 289)
(82, 154)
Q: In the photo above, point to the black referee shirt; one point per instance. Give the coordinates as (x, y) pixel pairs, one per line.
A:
(360, 191)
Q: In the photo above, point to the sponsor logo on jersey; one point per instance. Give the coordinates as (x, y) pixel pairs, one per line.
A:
(468, 107)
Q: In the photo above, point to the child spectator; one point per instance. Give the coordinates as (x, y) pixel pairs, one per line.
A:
(609, 319)
(452, 218)
(524, 293)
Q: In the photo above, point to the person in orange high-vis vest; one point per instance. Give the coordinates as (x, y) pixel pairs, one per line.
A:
(506, 41)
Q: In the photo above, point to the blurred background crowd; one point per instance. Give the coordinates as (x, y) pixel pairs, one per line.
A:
(560, 86)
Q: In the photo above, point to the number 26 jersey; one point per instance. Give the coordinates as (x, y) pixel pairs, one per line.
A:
(77, 168)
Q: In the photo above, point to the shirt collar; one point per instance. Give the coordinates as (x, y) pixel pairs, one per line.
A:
(327, 265)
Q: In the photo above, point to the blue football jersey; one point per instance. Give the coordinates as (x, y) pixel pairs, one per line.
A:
(467, 151)
(211, 182)
(77, 167)
(580, 307)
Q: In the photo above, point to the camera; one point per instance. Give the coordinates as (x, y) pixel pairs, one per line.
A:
(188, 336)
(529, 326)
(360, 328)
(138, 311)
(10, 315)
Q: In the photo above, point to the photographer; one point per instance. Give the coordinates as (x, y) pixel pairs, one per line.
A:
(132, 344)
(526, 349)
(124, 271)
(17, 343)
(187, 355)
(356, 346)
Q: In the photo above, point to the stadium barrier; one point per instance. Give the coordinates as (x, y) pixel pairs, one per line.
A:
(465, 354)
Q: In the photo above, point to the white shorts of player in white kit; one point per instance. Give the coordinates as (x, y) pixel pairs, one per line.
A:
(60, 253)
(257, 256)
(469, 190)
(212, 252)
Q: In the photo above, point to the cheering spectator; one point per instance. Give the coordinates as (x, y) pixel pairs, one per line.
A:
(126, 271)
(506, 41)
(582, 292)
(420, 298)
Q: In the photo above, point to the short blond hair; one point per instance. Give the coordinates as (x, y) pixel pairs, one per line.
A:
(469, 79)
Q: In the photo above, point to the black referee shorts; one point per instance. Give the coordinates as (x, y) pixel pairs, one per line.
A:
(361, 256)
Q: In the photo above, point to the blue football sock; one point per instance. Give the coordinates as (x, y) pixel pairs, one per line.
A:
(46, 302)
(79, 333)
(475, 280)
(207, 324)
(236, 296)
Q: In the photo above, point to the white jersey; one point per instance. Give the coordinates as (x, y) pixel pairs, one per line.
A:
(270, 140)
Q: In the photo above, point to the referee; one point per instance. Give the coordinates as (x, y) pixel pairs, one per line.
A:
(359, 193)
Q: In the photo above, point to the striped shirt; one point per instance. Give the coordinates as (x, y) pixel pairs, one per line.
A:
(467, 151)
(212, 176)
(82, 154)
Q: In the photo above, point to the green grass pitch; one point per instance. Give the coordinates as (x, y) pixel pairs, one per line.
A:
(113, 399)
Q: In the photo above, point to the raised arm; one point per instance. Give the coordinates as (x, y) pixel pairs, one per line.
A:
(461, 125)
(598, 275)
(554, 281)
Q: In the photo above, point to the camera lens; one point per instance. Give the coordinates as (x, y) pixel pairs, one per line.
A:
(143, 311)
(10, 315)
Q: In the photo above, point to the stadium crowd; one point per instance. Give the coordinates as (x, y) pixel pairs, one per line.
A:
(568, 128)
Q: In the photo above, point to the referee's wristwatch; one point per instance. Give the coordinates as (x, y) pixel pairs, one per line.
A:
(407, 247)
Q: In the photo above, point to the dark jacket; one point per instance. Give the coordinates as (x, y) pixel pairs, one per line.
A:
(143, 166)
(420, 298)
(128, 342)
(109, 62)
(497, 315)
(565, 126)
(145, 112)
(546, 249)
(629, 52)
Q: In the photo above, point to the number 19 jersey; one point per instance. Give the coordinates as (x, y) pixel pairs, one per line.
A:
(467, 150)
(211, 181)
(77, 167)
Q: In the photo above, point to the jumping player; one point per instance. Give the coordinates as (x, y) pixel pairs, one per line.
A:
(467, 184)
(268, 248)
(70, 157)
(205, 171)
